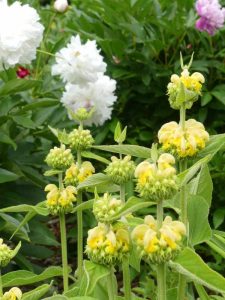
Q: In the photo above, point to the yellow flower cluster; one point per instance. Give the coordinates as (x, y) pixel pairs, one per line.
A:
(161, 245)
(75, 175)
(107, 244)
(185, 89)
(185, 142)
(13, 294)
(157, 181)
(60, 199)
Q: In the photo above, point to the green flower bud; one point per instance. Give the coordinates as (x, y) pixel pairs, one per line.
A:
(158, 246)
(105, 207)
(120, 170)
(107, 245)
(80, 139)
(6, 254)
(60, 200)
(157, 182)
(59, 158)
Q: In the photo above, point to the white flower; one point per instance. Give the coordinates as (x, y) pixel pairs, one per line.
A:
(98, 95)
(20, 34)
(61, 5)
(77, 63)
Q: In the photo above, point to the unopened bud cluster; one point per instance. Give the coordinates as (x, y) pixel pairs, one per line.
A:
(120, 170)
(80, 139)
(107, 244)
(157, 181)
(6, 254)
(185, 89)
(60, 200)
(76, 175)
(13, 294)
(105, 207)
(158, 245)
(183, 142)
(59, 158)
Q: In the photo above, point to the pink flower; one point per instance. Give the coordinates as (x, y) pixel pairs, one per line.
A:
(212, 16)
(22, 72)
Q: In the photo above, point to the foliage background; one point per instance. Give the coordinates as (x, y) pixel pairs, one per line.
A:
(141, 41)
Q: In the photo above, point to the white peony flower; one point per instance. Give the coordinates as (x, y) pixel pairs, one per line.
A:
(61, 5)
(98, 95)
(77, 63)
(20, 34)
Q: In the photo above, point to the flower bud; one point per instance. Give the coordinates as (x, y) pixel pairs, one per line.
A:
(105, 207)
(59, 158)
(107, 245)
(76, 175)
(61, 5)
(183, 142)
(80, 139)
(60, 200)
(6, 254)
(158, 246)
(13, 294)
(120, 170)
(157, 182)
(185, 89)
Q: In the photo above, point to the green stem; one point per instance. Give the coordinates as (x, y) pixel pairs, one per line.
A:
(110, 285)
(79, 227)
(125, 263)
(183, 215)
(1, 291)
(161, 268)
(64, 251)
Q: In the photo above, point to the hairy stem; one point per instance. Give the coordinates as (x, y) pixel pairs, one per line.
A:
(161, 268)
(79, 226)
(64, 251)
(110, 285)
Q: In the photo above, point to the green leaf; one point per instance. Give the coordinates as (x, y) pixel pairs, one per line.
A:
(94, 180)
(202, 185)
(4, 138)
(52, 172)
(92, 274)
(88, 154)
(17, 85)
(217, 243)
(216, 143)
(22, 277)
(24, 121)
(37, 293)
(11, 225)
(199, 228)
(191, 265)
(133, 150)
(38, 103)
(6, 176)
(117, 132)
(133, 204)
(201, 292)
(38, 209)
(83, 206)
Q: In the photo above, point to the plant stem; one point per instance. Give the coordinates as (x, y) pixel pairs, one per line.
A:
(110, 285)
(125, 263)
(79, 226)
(161, 268)
(64, 251)
(1, 292)
(183, 205)
(63, 241)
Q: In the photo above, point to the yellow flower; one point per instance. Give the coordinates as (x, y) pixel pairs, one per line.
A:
(13, 294)
(185, 89)
(156, 181)
(85, 171)
(60, 199)
(151, 241)
(185, 142)
(71, 175)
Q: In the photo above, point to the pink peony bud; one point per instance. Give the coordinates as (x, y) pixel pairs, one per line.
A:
(61, 5)
(22, 72)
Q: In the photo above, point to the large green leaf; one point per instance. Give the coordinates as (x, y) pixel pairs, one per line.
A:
(89, 154)
(217, 243)
(191, 265)
(11, 225)
(37, 103)
(132, 150)
(216, 143)
(201, 292)
(83, 206)
(38, 209)
(199, 228)
(6, 176)
(37, 293)
(95, 180)
(17, 85)
(22, 277)
(92, 274)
